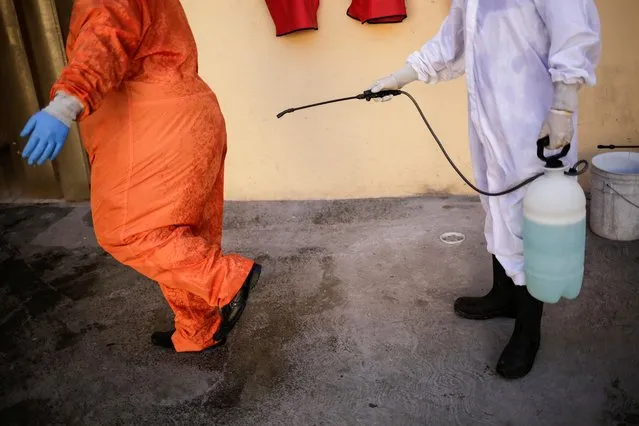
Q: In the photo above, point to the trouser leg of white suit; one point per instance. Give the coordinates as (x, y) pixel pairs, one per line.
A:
(503, 222)
(504, 214)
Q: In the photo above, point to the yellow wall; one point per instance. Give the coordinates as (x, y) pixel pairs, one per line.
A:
(358, 149)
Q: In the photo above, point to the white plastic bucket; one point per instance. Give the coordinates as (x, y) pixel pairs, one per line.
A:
(614, 206)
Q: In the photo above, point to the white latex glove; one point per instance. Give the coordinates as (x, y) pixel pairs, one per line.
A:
(395, 81)
(558, 126)
(559, 122)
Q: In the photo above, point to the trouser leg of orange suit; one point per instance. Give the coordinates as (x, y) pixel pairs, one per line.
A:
(157, 200)
(179, 259)
(196, 318)
(195, 321)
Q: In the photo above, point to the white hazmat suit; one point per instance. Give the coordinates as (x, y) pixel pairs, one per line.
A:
(515, 54)
(525, 61)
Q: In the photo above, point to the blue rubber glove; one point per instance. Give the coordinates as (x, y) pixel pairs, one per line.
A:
(48, 135)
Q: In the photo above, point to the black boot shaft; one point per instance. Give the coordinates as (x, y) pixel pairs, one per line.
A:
(499, 302)
(519, 354)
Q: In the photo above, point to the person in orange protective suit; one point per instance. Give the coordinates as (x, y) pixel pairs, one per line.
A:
(156, 140)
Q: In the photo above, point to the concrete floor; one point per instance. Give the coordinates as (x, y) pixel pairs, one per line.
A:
(351, 324)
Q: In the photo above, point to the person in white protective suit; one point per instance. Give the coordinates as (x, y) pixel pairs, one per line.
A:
(524, 61)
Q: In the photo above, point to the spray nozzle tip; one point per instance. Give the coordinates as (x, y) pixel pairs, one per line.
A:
(283, 113)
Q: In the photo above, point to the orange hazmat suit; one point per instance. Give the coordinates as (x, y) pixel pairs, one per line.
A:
(156, 140)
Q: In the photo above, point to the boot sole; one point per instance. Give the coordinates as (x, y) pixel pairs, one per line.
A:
(513, 376)
(158, 339)
(467, 315)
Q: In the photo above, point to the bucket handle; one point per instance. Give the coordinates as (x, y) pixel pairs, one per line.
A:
(623, 197)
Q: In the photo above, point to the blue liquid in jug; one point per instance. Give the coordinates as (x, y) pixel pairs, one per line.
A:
(554, 259)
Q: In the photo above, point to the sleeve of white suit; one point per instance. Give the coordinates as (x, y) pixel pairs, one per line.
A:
(442, 58)
(575, 40)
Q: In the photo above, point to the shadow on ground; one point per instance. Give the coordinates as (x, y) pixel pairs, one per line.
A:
(351, 324)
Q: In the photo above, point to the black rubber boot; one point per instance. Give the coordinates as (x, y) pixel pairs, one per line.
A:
(499, 302)
(518, 357)
(232, 312)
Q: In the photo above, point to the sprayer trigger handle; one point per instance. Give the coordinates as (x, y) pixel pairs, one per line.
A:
(368, 95)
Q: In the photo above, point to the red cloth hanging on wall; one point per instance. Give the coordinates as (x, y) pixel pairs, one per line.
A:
(378, 11)
(293, 15)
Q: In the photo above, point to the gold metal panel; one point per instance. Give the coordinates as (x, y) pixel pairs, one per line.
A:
(48, 58)
(19, 102)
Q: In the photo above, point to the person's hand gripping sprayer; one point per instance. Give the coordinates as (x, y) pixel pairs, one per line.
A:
(395, 81)
(559, 125)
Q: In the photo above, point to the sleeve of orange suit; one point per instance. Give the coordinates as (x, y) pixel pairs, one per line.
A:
(104, 38)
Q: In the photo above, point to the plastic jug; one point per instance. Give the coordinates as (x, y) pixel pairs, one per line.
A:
(554, 231)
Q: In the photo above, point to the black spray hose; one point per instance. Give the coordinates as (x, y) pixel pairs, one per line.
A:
(552, 161)
(616, 146)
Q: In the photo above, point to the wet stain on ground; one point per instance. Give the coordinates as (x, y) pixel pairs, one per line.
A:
(459, 206)
(239, 223)
(249, 375)
(67, 338)
(335, 215)
(311, 251)
(621, 409)
(35, 280)
(343, 212)
(42, 281)
(25, 224)
(421, 303)
(305, 350)
(327, 295)
(24, 285)
(87, 219)
(29, 412)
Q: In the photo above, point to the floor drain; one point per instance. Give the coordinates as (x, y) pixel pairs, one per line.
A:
(452, 237)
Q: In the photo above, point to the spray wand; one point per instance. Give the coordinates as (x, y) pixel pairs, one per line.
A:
(616, 146)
